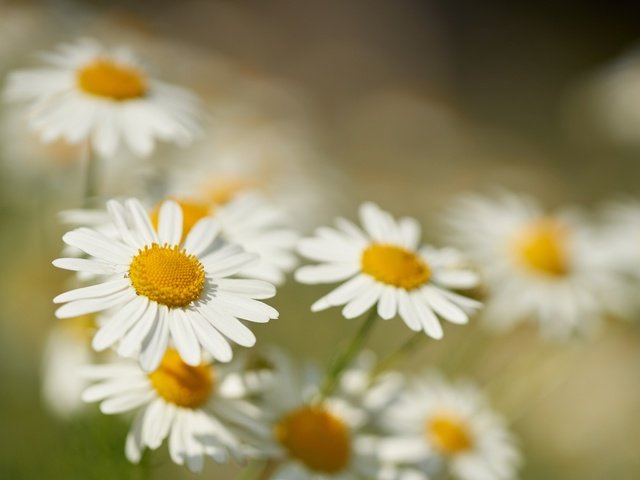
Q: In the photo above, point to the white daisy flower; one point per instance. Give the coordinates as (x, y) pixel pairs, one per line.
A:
(247, 220)
(157, 287)
(385, 265)
(314, 440)
(195, 406)
(88, 92)
(67, 349)
(539, 266)
(435, 426)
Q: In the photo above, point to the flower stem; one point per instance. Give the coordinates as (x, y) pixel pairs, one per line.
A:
(403, 350)
(344, 358)
(90, 175)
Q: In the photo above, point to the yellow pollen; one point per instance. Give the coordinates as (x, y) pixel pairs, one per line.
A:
(167, 275)
(542, 247)
(182, 384)
(448, 434)
(316, 437)
(109, 79)
(192, 212)
(395, 266)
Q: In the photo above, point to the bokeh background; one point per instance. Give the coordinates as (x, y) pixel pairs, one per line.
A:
(408, 103)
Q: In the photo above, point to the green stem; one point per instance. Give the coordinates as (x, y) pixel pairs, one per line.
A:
(344, 358)
(90, 175)
(405, 349)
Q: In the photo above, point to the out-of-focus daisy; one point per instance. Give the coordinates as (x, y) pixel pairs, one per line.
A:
(67, 349)
(104, 96)
(192, 405)
(435, 426)
(314, 440)
(158, 287)
(247, 150)
(539, 266)
(384, 264)
(249, 220)
(622, 234)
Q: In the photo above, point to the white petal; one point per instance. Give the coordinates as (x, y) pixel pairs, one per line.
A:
(430, 323)
(118, 325)
(170, 223)
(388, 306)
(184, 337)
(155, 344)
(245, 308)
(118, 216)
(229, 265)
(212, 341)
(257, 289)
(326, 273)
(133, 447)
(229, 326)
(462, 279)
(124, 403)
(94, 291)
(85, 266)
(93, 305)
(444, 307)
(99, 246)
(407, 312)
(363, 302)
(157, 422)
(141, 221)
(133, 339)
(201, 236)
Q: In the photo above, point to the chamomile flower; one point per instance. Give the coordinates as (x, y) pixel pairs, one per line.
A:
(67, 350)
(104, 96)
(435, 426)
(538, 266)
(193, 405)
(385, 265)
(156, 287)
(248, 219)
(314, 440)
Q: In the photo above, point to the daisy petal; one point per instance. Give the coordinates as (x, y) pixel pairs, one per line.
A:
(170, 223)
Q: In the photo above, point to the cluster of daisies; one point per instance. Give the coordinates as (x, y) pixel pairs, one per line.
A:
(168, 290)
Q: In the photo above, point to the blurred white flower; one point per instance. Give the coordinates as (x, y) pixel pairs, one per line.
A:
(67, 349)
(157, 286)
(192, 405)
(548, 268)
(435, 426)
(314, 439)
(385, 265)
(88, 92)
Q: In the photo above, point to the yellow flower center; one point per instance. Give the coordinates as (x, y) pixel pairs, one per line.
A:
(192, 212)
(448, 434)
(167, 275)
(542, 247)
(395, 266)
(106, 78)
(182, 384)
(316, 437)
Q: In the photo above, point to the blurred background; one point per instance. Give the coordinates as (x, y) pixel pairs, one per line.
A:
(408, 103)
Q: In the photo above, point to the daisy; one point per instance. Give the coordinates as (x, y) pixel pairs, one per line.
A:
(67, 349)
(104, 96)
(247, 219)
(313, 440)
(435, 426)
(156, 287)
(537, 265)
(195, 406)
(385, 265)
